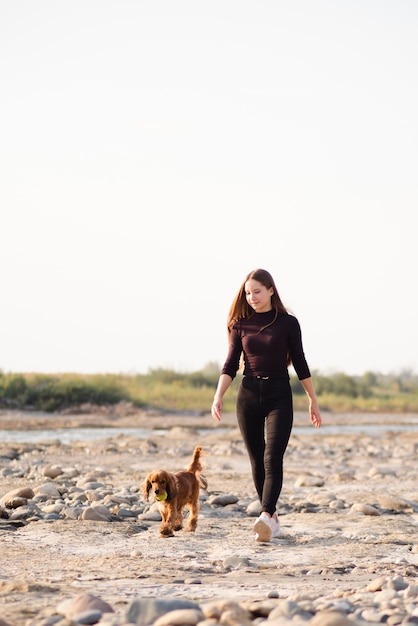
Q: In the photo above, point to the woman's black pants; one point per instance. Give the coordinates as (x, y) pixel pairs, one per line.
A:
(265, 419)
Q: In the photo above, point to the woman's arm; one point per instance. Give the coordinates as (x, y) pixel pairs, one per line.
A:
(313, 402)
(223, 384)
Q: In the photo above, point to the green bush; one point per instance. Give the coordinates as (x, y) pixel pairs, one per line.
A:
(52, 393)
(175, 391)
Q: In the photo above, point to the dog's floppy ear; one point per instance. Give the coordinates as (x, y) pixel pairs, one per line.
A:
(171, 487)
(145, 488)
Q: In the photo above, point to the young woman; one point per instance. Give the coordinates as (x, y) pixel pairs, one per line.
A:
(268, 339)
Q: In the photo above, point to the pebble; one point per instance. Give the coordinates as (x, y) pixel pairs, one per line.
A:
(309, 481)
(366, 509)
(223, 500)
(48, 489)
(180, 617)
(236, 562)
(253, 509)
(52, 471)
(23, 493)
(143, 611)
(98, 513)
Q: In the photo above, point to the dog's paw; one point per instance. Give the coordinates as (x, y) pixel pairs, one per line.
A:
(190, 529)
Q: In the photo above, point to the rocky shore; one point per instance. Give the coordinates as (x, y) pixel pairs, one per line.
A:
(78, 545)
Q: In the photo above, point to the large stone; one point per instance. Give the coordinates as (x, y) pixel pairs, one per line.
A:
(99, 513)
(22, 492)
(223, 499)
(331, 618)
(52, 471)
(309, 481)
(83, 603)
(47, 489)
(366, 509)
(285, 608)
(144, 611)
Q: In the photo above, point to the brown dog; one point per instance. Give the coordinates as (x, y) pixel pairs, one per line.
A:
(174, 492)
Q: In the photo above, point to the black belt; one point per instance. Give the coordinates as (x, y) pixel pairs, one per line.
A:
(264, 377)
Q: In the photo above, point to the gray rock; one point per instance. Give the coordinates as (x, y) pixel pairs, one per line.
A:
(330, 618)
(337, 504)
(236, 562)
(309, 481)
(213, 609)
(381, 471)
(323, 498)
(90, 486)
(72, 512)
(23, 492)
(397, 583)
(53, 508)
(192, 581)
(223, 500)
(377, 584)
(145, 611)
(151, 516)
(126, 513)
(98, 513)
(411, 591)
(84, 602)
(16, 503)
(263, 608)
(48, 489)
(253, 509)
(26, 512)
(285, 608)
(52, 471)
(366, 509)
(93, 496)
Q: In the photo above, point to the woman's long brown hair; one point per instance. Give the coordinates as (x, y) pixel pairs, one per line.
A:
(240, 309)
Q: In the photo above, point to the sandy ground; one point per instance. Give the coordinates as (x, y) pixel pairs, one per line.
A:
(324, 547)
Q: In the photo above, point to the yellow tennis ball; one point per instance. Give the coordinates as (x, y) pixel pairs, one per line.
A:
(162, 496)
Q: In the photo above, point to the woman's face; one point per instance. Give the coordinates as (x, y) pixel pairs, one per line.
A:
(258, 296)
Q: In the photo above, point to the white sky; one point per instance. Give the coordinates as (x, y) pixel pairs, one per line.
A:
(153, 152)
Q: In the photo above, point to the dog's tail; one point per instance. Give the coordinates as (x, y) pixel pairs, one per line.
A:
(196, 467)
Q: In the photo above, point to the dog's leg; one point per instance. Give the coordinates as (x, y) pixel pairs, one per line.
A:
(166, 527)
(193, 515)
(178, 520)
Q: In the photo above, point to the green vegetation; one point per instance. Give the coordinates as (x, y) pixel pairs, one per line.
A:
(193, 392)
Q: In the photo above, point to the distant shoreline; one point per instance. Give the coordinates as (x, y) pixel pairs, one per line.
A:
(112, 417)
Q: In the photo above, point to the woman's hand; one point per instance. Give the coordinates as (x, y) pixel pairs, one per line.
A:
(223, 384)
(314, 414)
(217, 410)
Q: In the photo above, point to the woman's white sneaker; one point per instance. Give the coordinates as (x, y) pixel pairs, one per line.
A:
(276, 529)
(264, 527)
